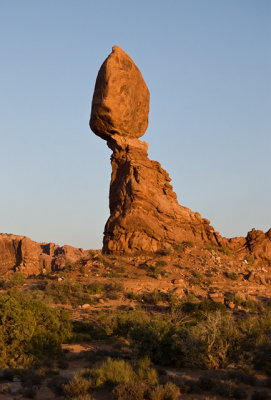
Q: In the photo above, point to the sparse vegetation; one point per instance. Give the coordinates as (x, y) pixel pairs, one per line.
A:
(231, 275)
(175, 325)
(16, 281)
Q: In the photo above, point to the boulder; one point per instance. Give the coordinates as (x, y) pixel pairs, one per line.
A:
(120, 104)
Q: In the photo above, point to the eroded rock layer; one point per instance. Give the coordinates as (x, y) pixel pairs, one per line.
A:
(19, 253)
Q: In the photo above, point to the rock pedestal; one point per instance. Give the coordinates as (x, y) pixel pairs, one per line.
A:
(144, 211)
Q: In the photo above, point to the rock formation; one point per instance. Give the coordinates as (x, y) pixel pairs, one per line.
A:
(19, 253)
(144, 211)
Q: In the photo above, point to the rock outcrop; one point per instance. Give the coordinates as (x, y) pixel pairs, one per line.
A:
(144, 211)
(19, 253)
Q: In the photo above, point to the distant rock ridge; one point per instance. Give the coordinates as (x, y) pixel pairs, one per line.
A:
(144, 212)
(19, 253)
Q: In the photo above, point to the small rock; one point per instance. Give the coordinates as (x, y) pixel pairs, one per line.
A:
(216, 297)
(179, 292)
(101, 301)
(159, 277)
(178, 281)
(85, 306)
(59, 279)
(231, 305)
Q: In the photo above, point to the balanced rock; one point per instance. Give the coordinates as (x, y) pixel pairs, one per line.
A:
(144, 212)
(120, 102)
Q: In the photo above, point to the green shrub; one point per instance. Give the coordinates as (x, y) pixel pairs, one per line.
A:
(224, 250)
(112, 372)
(196, 278)
(167, 392)
(16, 281)
(113, 290)
(95, 288)
(134, 390)
(77, 386)
(145, 372)
(161, 263)
(245, 303)
(29, 330)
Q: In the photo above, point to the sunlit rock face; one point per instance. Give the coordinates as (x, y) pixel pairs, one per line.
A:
(121, 98)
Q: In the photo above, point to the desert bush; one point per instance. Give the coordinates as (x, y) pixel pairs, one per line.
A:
(200, 308)
(178, 247)
(95, 288)
(77, 386)
(118, 323)
(224, 250)
(196, 278)
(154, 270)
(29, 330)
(112, 372)
(153, 297)
(113, 290)
(231, 275)
(169, 391)
(145, 373)
(134, 390)
(161, 263)
(17, 280)
(245, 303)
(66, 292)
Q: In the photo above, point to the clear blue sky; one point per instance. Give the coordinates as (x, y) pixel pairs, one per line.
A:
(207, 64)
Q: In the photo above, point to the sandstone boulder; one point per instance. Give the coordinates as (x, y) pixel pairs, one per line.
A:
(120, 102)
